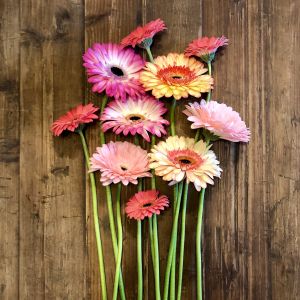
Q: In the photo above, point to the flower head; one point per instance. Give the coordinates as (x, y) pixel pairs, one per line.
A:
(181, 157)
(115, 70)
(176, 75)
(120, 162)
(205, 47)
(142, 35)
(135, 117)
(78, 115)
(145, 204)
(219, 119)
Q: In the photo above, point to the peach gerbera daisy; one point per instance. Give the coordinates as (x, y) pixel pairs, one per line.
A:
(142, 35)
(206, 47)
(181, 157)
(145, 204)
(175, 75)
(75, 117)
(218, 118)
(120, 162)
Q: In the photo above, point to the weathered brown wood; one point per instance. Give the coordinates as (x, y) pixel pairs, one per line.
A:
(52, 211)
(9, 149)
(251, 230)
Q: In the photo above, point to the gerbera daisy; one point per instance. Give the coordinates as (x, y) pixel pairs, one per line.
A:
(218, 118)
(145, 204)
(142, 35)
(120, 162)
(205, 47)
(176, 75)
(78, 115)
(115, 70)
(135, 117)
(181, 157)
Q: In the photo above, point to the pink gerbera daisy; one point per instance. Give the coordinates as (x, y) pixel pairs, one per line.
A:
(120, 162)
(205, 47)
(219, 119)
(115, 70)
(142, 35)
(135, 117)
(78, 115)
(145, 204)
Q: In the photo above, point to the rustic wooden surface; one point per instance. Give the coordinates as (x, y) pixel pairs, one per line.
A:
(251, 228)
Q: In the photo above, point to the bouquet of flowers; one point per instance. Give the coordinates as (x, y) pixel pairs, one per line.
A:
(133, 95)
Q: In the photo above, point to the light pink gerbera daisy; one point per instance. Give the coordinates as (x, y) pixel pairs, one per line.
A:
(219, 119)
(205, 47)
(142, 35)
(181, 157)
(115, 70)
(78, 115)
(145, 204)
(120, 162)
(135, 117)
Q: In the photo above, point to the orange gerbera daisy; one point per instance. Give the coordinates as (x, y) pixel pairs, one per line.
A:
(176, 75)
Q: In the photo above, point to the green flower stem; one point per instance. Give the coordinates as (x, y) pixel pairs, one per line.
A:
(182, 240)
(110, 212)
(152, 243)
(208, 97)
(96, 218)
(198, 245)
(197, 135)
(139, 260)
(139, 251)
(156, 257)
(198, 241)
(172, 117)
(150, 54)
(173, 267)
(172, 245)
(120, 242)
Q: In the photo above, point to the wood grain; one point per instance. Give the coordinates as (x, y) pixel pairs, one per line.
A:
(251, 227)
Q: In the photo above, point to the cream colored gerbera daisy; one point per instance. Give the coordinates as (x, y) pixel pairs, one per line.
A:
(181, 157)
(175, 75)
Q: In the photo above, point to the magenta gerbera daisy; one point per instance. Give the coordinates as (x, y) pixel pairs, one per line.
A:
(219, 119)
(81, 114)
(114, 70)
(120, 162)
(145, 204)
(135, 117)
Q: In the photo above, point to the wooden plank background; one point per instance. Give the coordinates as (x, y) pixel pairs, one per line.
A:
(251, 228)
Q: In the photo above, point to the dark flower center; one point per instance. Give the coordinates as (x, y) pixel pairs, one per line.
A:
(117, 71)
(185, 161)
(176, 77)
(134, 118)
(123, 168)
(147, 204)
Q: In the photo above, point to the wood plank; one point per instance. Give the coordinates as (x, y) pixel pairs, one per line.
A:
(281, 44)
(52, 208)
(9, 149)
